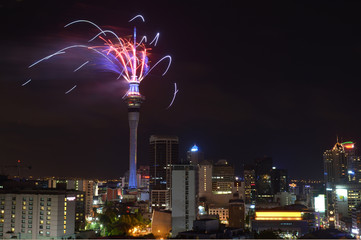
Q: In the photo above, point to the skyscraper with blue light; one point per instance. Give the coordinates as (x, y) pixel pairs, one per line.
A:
(194, 155)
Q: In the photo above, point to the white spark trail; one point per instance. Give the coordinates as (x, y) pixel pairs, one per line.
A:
(174, 95)
(138, 16)
(25, 83)
(170, 61)
(108, 31)
(57, 53)
(81, 66)
(144, 38)
(77, 21)
(155, 39)
(70, 89)
(62, 51)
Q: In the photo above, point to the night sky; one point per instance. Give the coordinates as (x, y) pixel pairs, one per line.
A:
(255, 78)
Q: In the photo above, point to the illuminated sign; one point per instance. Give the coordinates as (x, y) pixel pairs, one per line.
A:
(269, 215)
(348, 145)
(341, 194)
(320, 203)
(70, 198)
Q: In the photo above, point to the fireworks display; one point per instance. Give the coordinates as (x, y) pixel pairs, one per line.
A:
(126, 57)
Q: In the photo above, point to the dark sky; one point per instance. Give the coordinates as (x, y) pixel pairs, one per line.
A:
(256, 78)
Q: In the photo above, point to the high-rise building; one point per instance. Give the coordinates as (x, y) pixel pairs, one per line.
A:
(353, 162)
(249, 174)
(184, 197)
(222, 177)
(87, 186)
(163, 153)
(335, 165)
(34, 214)
(279, 180)
(194, 155)
(263, 179)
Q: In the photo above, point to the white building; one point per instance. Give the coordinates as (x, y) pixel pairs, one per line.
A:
(184, 198)
(37, 214)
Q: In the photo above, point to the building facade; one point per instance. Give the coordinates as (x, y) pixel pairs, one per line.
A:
(184, 197)
(37, 214)
(163, 153)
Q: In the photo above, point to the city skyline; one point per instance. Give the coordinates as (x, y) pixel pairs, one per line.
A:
(274, 79)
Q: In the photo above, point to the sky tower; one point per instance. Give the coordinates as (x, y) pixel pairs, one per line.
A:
(134, 100)
(128, 59)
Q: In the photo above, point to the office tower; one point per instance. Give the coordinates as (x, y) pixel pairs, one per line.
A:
(34, 214)
(279, 180)
(249, 174)
(163, 153)
(335, 165)
(263, 179)
(222, 177)
(353, 162)
(194, 155)
(184, 197)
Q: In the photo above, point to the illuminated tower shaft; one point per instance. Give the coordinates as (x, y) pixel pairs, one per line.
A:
(133, 117)
(134, 99)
